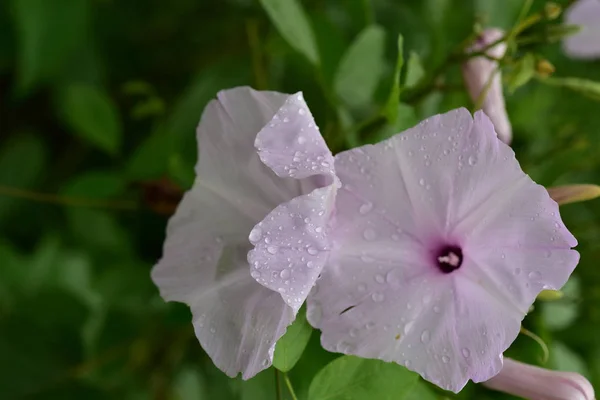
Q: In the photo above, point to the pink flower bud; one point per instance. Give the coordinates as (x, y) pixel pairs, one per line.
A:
(476, 74)
(537, 383)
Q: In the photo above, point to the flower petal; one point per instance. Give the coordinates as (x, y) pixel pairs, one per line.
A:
(292, 242)
(586, 43)
(447, 181)
(204, 263)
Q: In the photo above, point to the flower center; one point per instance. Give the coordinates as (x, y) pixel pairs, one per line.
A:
(449, 258)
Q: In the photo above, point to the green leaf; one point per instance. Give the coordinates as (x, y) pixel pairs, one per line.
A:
(405, 118)
(291, 22)
(92, 115)
(361, 67)
(414, 70)
(582, 86)
(353, 378)
(523, 72)
(150, 157)
(561, 313)
(48, 33)
(391, 108)
(290, 347)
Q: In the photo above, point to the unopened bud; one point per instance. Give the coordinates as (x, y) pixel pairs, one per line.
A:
(552, 10)
(531, 382)
(477, 73)
(544, 68)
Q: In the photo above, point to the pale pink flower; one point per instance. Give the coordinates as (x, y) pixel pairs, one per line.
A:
(477, 72)
(204, 263)
(440, 245)
(535, 383)
(585, 44)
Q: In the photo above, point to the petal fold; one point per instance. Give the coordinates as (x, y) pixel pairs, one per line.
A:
(292, 242)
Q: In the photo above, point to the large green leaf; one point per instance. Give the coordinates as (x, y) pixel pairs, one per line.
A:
(48, 33)
(353, 378)
(291, 22)
(92, 115)
(361, 67)
(291, 346)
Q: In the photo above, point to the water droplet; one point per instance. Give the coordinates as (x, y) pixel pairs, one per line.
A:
(410, 153)
(466, 352)
(370, 325)
(301, 140)
(353, 332)
(436, 309)
(265, 362)
(255, 235)
(255, 274)
(312, 251)
(365, 208)
(422, 182)
(407, 363)
(379, 278)
(367, 259)
(427, 163)
(377, 297)
(534, 275)
(301, 111)
(319, 229)
(425, 336)
(369, 234)
(503, 256)
(284, 274)
(392, 277)
(212, 329)
(272, 249)
(445, 359)
(472, 160)
(286, 119)
(310, 264)
(408, 326)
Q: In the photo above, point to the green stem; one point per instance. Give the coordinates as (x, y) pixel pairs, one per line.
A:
(368, 12)
(277, 385)
(289, 386)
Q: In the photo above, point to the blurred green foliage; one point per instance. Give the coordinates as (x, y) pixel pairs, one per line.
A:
(99, 100)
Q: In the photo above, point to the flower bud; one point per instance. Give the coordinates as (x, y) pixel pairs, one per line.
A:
(552, 10)
(477, 71)
(537, 383)
(586, 43)
(544, 68)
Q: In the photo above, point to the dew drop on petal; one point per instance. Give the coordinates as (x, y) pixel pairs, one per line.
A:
(367, 259)
(472, 160)
(255, 235)
(301, 140)
(445, 359)
(312, 251)
(425, 336)
(378, 297)
(379, 278)
(534, 275)
(284, 274)
(436, 309)
(272, 249)
(392, 277)
(407, 363)
(466, 352)
(255, 274)
(301, 111)
(422, 182)
(309, 264)
(365, 208)
(408, 326)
